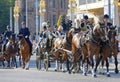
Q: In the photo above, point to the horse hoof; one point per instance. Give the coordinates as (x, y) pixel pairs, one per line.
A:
(63, 71)
(103, 73)
(27, 68)
(108, 75)
(55, 70)
(69, 72)
(85, 74)
(116, 71)
(94, 76)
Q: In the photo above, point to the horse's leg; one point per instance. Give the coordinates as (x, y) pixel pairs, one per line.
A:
(15, 61)
(97, 62)
(23, 63)
(8, 63)
(107, 65)
(84, 68)
(3, 64)
(56, 65)
(27, 65)
(116, 64)
(63, 69)
(20, 61)
(27, 62)
(100, 71)
(67, 65)
(92, 64)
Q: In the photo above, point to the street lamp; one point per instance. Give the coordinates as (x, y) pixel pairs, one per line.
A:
(11, 14)
(16, 16)
(72, 6)
(42, 12)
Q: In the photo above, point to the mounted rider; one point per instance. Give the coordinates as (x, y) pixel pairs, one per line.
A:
(55, 32)
(106, 21)
(85, 25)
(24, 31)
(7, 35)
(60, 31)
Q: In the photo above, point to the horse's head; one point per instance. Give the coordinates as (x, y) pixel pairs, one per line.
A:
(69, 36)
(112, 32)
(101, 31)
(21, 39)
(12, 38)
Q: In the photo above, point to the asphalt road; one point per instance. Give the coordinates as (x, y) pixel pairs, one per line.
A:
(34, 75)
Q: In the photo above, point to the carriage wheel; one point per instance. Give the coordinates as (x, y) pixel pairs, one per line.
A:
(38, 59)
(46, 61)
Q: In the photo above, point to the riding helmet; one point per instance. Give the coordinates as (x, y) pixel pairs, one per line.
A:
(85, 17)
(106, 16)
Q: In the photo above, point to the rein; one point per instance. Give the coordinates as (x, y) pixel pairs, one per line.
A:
(93, 39)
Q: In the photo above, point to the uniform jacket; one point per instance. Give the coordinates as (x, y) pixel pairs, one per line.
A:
(24, 31)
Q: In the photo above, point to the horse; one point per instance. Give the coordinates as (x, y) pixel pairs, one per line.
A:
(24, 51)
(110, 48)
(88, 46)
(62, 48)
(10, 51)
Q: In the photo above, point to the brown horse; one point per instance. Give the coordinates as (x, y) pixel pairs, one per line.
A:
(24, 51)
(110, 48)
(10, 51)
(89, 46)
(62, 48)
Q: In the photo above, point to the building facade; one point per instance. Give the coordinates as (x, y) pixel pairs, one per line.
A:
(54, 8)
(97, 8)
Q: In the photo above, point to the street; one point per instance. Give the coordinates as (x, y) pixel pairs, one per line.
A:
(34, 75)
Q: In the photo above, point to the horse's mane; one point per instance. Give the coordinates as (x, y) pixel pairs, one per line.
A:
(96, 27)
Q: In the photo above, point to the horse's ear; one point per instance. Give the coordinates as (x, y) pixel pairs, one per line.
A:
(102, 25)
(112, 27)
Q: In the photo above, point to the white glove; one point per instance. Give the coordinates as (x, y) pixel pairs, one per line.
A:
(26, 36)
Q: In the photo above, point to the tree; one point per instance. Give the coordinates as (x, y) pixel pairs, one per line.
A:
(4, 13)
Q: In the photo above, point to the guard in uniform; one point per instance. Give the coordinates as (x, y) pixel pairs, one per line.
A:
(106, 21)
(86, 25)
(26, 33)
(7, 35)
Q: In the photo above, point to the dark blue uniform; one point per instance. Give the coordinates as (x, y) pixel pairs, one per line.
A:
(26, 33)
(6, 38)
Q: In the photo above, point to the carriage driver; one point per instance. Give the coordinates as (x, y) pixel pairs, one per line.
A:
(85, 25)
(106, 21)
(26, 33)
(7, 35)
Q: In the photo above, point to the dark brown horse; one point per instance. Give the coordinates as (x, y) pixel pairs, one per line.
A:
(110, 48)
(89, 46)
(24, 51)
(10, 51)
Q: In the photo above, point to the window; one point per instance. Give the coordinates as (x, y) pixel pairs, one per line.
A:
(54, 19)
(52, 3)
(81, 2)
(62, 3)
